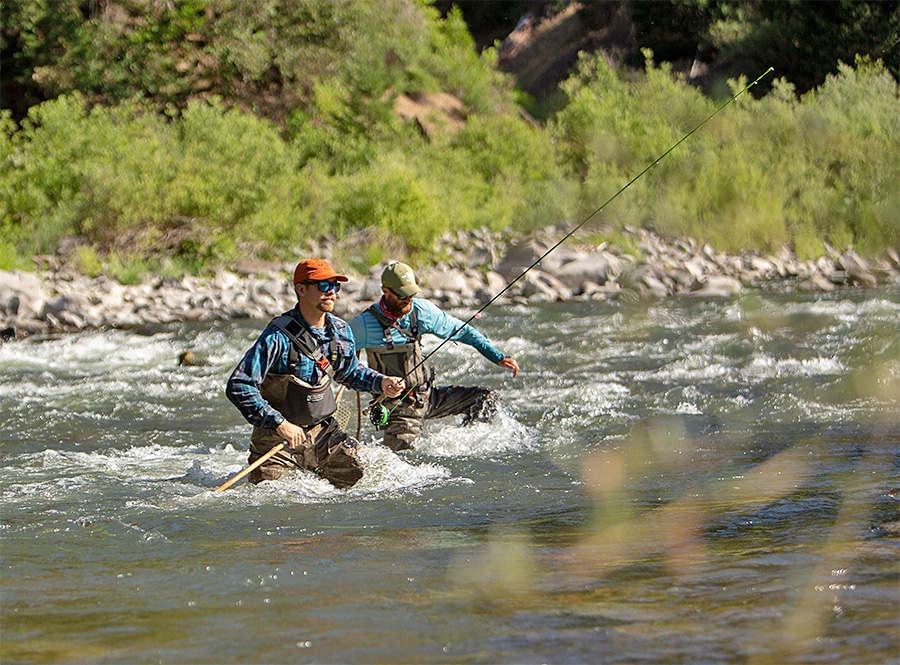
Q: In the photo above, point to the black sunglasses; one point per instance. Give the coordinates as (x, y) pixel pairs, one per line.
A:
(325, 286)
(397, 295)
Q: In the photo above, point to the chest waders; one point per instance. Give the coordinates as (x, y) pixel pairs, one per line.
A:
(332, 454)
(400, 359)
(304, 404)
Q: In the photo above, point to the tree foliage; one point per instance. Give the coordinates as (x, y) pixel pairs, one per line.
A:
(782, 169)
(203, 130)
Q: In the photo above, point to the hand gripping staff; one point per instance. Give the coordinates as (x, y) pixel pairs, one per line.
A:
(231, 481)
(379, 413)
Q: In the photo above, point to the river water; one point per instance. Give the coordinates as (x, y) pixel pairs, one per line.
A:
(688, 481)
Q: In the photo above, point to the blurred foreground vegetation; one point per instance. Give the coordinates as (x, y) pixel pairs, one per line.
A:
(174, 160)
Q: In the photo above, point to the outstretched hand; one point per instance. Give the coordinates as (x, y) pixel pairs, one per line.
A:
(510, 364)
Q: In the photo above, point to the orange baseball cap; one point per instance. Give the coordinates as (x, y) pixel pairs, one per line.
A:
(316, 269)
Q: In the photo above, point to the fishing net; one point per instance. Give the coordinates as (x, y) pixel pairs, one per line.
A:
(348, 411)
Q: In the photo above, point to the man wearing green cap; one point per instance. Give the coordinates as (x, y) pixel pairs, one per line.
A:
(391, 331)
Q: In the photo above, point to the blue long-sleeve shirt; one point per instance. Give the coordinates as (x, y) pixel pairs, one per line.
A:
(368, 332)
(270, 353)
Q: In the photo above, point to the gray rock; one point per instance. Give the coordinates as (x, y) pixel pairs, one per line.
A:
(21, 295)
(371, 290)
(654, 287)
(444, 280)
(539, 285)
(225, 280)
(857, 268)
(893, 258)
(816, 283)
(60, 298)
(522, 254)
(719, 286)
(595, 268)
(74, 304)
(494, 282)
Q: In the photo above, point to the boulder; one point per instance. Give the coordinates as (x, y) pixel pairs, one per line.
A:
(21, 295)
(596, 268)
(719, 286)
(66, 306)
(539, 285)
(494, 282)
(522, 254)
(371, 290)
(857, 268)
(444, 280)
(816, 283)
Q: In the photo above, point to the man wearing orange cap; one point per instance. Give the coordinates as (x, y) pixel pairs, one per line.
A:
(283, 384)
(390, 331)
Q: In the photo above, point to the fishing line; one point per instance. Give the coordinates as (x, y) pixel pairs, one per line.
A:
(383, 409)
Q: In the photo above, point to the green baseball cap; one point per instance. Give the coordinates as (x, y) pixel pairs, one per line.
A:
(399, 278)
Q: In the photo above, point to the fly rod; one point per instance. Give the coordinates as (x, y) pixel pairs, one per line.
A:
(383, 413)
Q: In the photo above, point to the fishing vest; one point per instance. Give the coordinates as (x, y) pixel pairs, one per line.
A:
(298, 401)
(399, 359)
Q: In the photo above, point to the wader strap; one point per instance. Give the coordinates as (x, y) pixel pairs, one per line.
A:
(302, 339)
(412, 334)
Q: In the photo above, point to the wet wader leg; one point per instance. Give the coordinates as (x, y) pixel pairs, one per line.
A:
(405, 423)
(404, 427)
(276, 466)
(474, 403)
(334, 456)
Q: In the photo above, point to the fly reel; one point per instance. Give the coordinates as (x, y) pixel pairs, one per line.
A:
(378, 414)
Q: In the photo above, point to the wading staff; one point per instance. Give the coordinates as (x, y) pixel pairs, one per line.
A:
(267, 455)
(586, 219)
(250, 468)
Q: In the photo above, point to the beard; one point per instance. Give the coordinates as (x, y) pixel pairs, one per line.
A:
(398, 308)
(325, 306)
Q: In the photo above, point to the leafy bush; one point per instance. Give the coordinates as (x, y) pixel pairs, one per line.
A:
(208, 182)
(851, 131)
(518, 164)
(392, 196)
(760, 174)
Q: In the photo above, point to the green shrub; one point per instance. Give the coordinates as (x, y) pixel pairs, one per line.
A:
(391, 195)
(41, 180)
(125, 175)
(760, 174)
(853, 134)
(517, 163)
(10, 259)
(210, 183)
(86, 261)
(229, 165)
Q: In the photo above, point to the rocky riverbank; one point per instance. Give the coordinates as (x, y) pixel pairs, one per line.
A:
(479, 266)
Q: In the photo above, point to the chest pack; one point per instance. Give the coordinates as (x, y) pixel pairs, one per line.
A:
(405, 360)
(303, 403)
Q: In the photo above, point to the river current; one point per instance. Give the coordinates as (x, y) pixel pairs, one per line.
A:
(686, 481)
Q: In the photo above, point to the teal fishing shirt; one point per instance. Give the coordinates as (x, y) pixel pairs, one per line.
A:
(368, 333)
